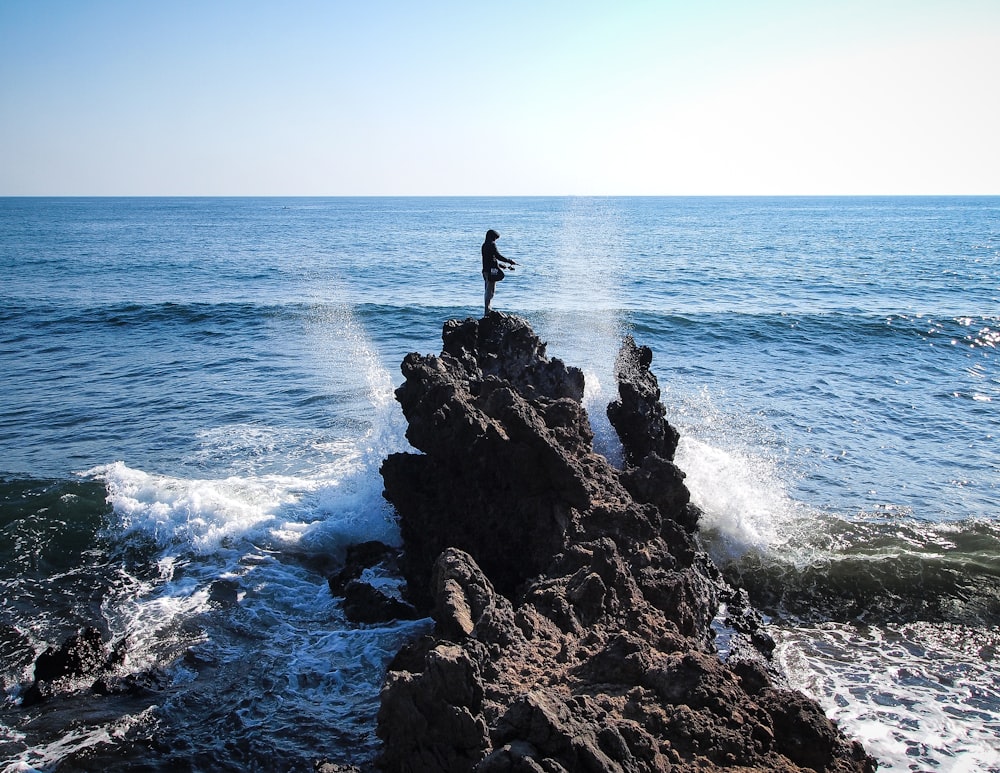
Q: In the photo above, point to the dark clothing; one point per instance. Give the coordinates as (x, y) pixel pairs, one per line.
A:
(491, 260)
(490, 255)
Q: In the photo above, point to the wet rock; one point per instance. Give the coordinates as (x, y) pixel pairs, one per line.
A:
(365, 603)
(661, 483)
(358, 558)
(573, 610)
(366, 600)
(224, 592)
(324, 766)
(149, 681)
(637, 415)
(82, 654)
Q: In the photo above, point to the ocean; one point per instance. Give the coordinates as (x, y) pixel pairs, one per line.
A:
(196, 395)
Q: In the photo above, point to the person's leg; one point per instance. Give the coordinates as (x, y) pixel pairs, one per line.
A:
(488, 295)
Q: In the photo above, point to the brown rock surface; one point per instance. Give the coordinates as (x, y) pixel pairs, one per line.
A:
(573, 609)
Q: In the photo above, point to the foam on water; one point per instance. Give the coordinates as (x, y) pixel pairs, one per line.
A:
(236, 563)
(206, 568)
(920, 696)
(203, 515)
(743, 499)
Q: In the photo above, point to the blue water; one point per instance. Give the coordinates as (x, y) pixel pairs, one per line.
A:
(196, 390)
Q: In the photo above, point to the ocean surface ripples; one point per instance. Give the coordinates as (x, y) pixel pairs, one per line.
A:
(197, 395)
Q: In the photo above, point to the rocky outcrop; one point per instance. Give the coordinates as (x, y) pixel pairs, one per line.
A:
(84, 658)
(573, 609)
(82, 654)
(648, 439)
(364, 600)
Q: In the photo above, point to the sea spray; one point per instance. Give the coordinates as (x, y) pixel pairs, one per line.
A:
(590, 342)
(849, 344)
(743, 499)
(923, 691)
(199, 567)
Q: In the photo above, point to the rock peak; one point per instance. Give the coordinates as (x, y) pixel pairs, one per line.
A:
(573, 609)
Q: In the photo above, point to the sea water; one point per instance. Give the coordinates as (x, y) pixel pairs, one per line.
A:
(196, 396)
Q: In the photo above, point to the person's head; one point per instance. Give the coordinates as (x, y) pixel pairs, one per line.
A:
(492, 236)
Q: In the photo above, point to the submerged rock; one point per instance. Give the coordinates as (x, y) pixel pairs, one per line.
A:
(364, 600)
(573, 609)
(81, 656)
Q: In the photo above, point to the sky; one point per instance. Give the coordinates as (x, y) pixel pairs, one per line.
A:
(465, 98)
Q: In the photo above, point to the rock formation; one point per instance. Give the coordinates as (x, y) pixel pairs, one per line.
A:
(573, 608)
(363, 602)
(83, 658)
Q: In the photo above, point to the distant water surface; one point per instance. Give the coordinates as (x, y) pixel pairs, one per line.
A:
(196, 395)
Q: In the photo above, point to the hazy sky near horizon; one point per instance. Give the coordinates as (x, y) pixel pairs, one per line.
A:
(384, 97)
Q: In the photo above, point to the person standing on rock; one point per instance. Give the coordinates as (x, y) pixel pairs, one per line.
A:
(491, 267)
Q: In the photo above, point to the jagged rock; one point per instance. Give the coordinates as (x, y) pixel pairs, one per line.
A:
(433, 720)
(544, 731)
(507, 454)
(802, 731)
(85, 656)
(637, 415)
(573, 609)
(365, 603)
(361, 556)
(648, 439)
(467, 604)
(661, 483)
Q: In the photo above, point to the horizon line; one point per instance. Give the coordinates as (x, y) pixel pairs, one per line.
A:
(492, 195)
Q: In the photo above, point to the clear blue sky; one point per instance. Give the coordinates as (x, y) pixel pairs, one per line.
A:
(384, 97)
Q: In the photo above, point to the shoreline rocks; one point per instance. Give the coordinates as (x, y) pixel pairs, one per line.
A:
(573, 608)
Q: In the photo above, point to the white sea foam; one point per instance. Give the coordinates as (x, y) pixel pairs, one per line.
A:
(743, 498)
(203, 514)
(239, 561)
(262, 540)
(919, 696)
(237, 513)
(214, 528)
